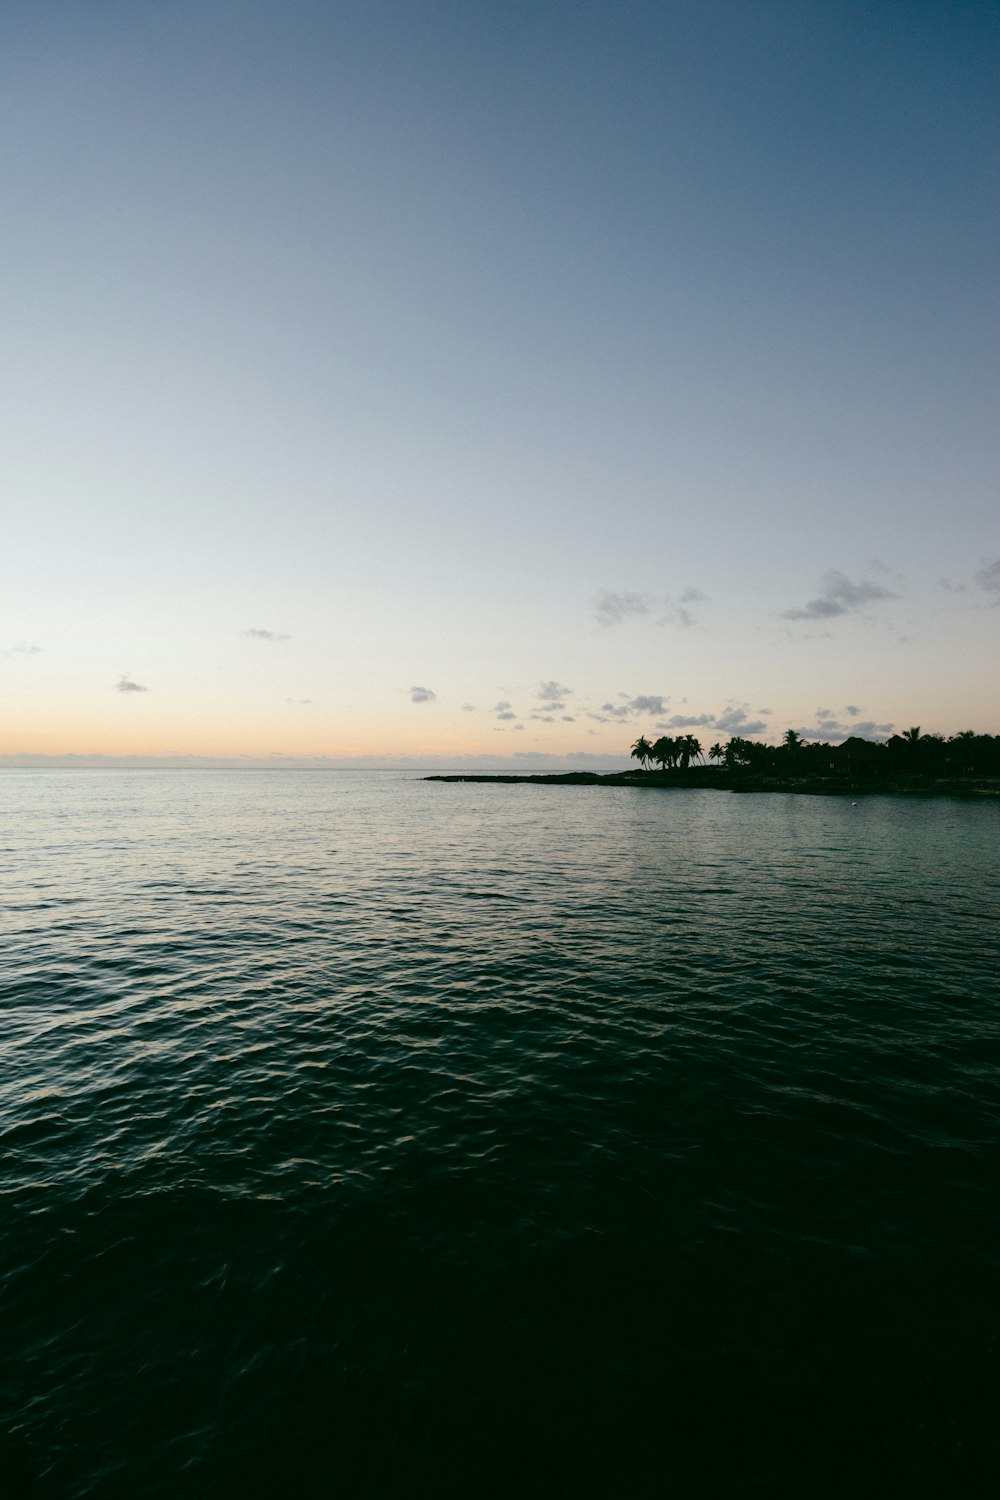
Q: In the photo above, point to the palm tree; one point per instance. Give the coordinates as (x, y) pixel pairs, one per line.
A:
(739, 752)
(965, 743)
(717, 752)
(664, 751)
(793, 743)
(911, 735)
(688, 747)
(642, 751)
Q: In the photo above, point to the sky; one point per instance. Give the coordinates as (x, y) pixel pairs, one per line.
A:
(438, 381)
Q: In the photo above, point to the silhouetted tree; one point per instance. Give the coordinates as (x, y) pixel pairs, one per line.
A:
(642, 751)
(792, 742)
(965, 746)
(664, 751)
(687, 748)
(910, 754)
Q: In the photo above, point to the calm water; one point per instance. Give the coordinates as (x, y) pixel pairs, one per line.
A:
(365, 1136)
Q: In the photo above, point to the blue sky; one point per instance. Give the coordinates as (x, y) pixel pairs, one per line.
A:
(647, 351)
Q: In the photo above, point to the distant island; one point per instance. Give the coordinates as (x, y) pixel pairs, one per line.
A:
(909, 764)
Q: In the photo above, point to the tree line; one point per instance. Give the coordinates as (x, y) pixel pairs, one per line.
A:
(964, 754)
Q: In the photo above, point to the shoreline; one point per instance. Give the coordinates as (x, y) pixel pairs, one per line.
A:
(710, 778)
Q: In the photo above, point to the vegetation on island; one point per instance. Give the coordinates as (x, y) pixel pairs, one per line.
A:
(966, 764)
(912, 753)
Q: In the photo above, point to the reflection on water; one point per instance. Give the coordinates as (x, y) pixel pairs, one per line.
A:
(369, 1136)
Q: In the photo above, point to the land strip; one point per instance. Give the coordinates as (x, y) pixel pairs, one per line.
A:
(713, 778)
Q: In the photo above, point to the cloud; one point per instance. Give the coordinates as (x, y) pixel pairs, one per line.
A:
(652, 704)
(988, 577)
(21, 649)
(468, 708)
(254, 634)
(866, 728)
(503, 710)
(647, 703)
(840, 596)
(612, 609)
(677, 613)
(829, 729)
(298, 700)
(689, 721)
(422, 695)
(736, 720)
(126, 685)
(553, 693)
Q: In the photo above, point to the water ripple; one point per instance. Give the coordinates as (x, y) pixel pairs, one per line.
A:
(338, 1113)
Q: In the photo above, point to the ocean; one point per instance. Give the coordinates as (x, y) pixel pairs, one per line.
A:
(366, 1136)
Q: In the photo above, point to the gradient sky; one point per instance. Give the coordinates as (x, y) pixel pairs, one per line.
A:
(460, 379)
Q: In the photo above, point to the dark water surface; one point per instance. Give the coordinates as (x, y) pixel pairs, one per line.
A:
(365, 1136)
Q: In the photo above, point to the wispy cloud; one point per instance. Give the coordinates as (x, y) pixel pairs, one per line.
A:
(129, 685)
(611, 608)
(503, 710)
(830, 728)
(839, 596)
(553, 694)
(422, 695)
(988, 577)
(679, 611)
(690, 721)
(468, 708)
(21, 649)
(254, 634)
